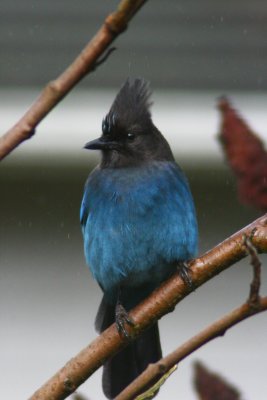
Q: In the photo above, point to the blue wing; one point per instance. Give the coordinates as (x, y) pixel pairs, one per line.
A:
(84, 210)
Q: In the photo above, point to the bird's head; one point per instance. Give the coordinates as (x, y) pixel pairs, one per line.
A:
(129, 137)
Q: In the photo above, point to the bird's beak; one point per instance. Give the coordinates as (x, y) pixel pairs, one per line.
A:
(101, 144)
(96, 144)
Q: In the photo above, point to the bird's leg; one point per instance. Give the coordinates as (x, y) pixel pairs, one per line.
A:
(122, 317)
(184, 272)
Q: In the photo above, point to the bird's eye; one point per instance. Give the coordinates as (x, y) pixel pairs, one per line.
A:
(130, 136)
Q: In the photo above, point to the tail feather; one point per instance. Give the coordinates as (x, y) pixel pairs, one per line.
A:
(128, 364)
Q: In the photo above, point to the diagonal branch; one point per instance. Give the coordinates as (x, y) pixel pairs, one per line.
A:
(159, 303)
(254, 305)
(218, 328)
(86, 62)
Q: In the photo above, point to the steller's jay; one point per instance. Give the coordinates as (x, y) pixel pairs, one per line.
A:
(138, 222)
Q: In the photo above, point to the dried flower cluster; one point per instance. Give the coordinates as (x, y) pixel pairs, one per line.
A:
(246, 155)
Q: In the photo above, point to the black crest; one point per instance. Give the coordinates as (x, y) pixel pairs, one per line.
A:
(130, 107)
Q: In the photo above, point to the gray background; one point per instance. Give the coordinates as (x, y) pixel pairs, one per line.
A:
(191, 51)
(182, 44)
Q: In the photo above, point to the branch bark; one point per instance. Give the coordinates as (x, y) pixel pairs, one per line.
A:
(159, 303)
(214, 330)
(86, 61)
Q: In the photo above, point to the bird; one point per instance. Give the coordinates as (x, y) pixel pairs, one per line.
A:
(139, 225)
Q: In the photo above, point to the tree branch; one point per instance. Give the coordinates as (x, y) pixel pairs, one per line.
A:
(216, 329)
(159, 303)
(253, 306)
(54, 92)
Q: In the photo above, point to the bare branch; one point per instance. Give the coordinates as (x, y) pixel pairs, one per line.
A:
(159, 303)
(218, 328)
(86, 61)
(253, 306)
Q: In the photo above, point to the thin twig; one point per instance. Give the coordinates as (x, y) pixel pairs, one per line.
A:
(103, 59)
(87, 61)
(254, 295)
(151, 392)
(216, 329)
(159, 303)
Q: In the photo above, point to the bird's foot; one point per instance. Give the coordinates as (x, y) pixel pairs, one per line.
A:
(184, 272)
(122, 318)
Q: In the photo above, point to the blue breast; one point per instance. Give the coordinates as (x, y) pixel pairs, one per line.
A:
(136, 223)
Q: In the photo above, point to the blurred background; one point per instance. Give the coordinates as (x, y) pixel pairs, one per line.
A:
(192, 53)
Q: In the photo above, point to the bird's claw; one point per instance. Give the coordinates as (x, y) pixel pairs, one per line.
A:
(184, 272)
(122, 318)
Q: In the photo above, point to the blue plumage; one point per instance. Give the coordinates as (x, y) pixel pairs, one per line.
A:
(138, 222)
